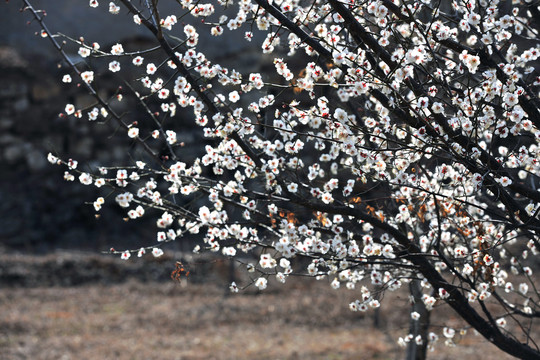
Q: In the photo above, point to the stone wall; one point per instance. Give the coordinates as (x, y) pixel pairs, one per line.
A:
(38, 210)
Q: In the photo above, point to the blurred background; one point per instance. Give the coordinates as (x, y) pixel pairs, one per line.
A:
(39, 211)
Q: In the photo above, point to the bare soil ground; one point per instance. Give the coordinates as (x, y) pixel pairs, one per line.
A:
(121, 310)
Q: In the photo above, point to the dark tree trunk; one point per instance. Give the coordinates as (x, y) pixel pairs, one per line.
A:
(418, 327)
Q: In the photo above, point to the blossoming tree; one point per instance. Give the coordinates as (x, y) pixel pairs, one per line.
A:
(391, 143)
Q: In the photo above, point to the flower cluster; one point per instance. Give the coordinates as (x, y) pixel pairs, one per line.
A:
(379, 144)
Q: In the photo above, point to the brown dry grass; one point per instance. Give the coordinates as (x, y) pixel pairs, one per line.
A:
(138, 320)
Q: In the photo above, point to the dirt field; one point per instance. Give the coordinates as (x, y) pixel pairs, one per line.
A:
(145, 318)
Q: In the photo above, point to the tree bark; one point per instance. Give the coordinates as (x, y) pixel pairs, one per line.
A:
(418, 327)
